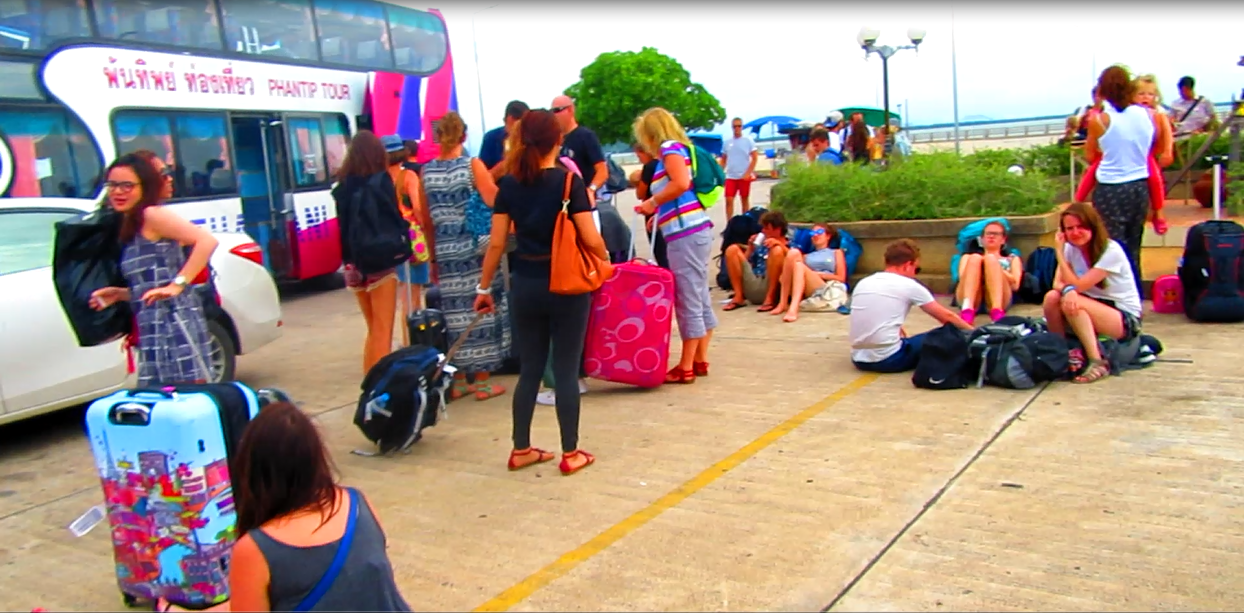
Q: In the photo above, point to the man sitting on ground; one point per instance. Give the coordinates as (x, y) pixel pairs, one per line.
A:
(749, 264)
(880, 305)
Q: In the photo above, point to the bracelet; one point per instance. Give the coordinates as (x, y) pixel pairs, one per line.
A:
(479, 291)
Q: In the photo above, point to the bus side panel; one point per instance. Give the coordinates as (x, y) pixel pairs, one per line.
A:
(223, 215)
(386, 91)
(319, 241)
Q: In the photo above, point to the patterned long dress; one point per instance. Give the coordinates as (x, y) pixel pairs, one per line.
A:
(173, 344)
(449, 185)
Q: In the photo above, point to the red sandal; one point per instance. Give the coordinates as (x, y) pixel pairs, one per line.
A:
(700, 369)
(678, 375)
(542, 456)
(567, 469)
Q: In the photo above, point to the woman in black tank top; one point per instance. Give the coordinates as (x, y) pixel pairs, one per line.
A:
(294, 520)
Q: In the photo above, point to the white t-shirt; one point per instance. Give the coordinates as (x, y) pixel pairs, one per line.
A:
(879, 307)
(835, 142)
(1120, 283)
(738, 152)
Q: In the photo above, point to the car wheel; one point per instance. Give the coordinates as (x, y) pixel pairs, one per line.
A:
(222, 355)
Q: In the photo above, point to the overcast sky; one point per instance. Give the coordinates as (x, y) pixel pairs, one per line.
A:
(801, 59)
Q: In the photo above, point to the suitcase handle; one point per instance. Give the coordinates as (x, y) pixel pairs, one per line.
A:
(130, 414)
(163, 393)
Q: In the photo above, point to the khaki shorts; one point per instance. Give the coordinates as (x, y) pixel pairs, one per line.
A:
(755, 288)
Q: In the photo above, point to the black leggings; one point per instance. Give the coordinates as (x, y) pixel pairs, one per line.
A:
(541, 316)
(1123, 208)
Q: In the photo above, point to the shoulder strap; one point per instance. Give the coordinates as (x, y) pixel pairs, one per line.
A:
(1192, 107)
(566, 191)
(339, 560)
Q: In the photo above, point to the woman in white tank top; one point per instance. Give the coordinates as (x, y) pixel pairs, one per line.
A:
(1124, 135)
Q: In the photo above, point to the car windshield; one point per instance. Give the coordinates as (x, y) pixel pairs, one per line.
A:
(26, 238)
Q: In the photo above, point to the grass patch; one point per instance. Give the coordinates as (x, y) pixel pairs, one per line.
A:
(939, 185)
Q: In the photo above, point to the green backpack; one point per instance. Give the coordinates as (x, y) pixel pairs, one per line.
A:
(708, 180)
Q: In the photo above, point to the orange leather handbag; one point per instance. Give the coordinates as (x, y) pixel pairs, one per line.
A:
(572, 269)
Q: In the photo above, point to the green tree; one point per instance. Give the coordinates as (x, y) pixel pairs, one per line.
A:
(615, 88)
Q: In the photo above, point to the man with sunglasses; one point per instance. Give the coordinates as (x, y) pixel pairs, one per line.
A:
(739, 159)
(879, 307)
(581, 145)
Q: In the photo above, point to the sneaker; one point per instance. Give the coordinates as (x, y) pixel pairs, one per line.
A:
(996, 314)
(968, 315)
(548, 397)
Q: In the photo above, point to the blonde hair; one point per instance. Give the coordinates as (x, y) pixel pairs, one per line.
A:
(1148, 79)
(655, 126)
(449, 130)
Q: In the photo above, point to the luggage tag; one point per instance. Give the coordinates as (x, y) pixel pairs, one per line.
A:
(87, 521)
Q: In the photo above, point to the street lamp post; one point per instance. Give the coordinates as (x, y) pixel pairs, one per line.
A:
(867, 38)
(479, 87)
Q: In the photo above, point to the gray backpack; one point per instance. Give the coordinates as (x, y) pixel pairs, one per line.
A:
(1017, 353)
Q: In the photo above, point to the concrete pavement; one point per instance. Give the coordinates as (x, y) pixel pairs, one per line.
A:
(784, 481)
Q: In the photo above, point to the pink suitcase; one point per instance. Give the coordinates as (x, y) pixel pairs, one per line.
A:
(628, 332)
(1168, 295)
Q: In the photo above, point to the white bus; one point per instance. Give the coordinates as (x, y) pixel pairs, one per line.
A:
(253, 134)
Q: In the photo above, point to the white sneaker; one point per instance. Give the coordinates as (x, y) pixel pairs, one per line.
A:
(548, 397)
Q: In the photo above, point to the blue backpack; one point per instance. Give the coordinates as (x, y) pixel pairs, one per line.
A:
(1038, 275)
(850, 247)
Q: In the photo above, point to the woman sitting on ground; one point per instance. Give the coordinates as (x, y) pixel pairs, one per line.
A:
(1094, 292)
(293, 518)
(803, 275)
(989, 278)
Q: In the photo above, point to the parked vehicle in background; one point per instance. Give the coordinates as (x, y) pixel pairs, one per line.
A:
(43, 369)
(249, 102)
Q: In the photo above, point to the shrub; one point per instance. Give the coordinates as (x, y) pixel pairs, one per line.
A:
(1051, 160)
(938, 185)
(1181, 150)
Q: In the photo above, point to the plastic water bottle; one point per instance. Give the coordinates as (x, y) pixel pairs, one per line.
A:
(379, 405)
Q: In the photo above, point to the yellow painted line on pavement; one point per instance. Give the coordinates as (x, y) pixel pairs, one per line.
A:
(569, 561)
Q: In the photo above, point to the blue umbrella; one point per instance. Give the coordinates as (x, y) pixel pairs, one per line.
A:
(780, 120)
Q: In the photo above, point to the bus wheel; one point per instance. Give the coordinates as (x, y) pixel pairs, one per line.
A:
(222, 355)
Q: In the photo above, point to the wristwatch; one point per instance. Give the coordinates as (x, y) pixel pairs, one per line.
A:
(592, 188)
(479, 291)
(180, 281)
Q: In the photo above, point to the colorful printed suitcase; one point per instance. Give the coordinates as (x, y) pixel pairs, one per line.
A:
(163, 458)
(628, 332)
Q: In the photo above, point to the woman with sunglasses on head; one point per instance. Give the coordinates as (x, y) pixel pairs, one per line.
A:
(803, 275)
(170, 324)
(1094, 291)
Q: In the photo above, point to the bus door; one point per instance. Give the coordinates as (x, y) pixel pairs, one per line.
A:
(312, 148)
(267, 211)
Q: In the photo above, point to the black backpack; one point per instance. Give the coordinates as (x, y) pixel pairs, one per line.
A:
(1038, 275)
(403, 394)
(377, 234)
(943, 361)
(1017, 353)
(1211, 272)
(616, 182)
(740, 229)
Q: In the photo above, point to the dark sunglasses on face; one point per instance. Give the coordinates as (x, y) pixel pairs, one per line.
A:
(558, 109)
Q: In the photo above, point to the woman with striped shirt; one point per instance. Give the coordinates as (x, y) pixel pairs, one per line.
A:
(685, 224)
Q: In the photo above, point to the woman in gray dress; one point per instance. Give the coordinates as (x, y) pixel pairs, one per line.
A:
(171, 328)
(450, 182)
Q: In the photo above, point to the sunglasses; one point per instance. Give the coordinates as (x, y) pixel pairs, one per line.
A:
(558, 109)
(818, 231)
(120, 187)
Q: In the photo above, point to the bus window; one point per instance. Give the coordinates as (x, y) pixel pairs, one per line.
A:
(194, 145)
(185, 23)
(35, 25)
(306, 151)
(52, 153)
(353, 32)
(419, 43)
(203, 150)
(336, 140)
(20, 80)
(279, 28)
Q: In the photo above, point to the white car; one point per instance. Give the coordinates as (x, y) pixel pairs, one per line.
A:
(42, 368)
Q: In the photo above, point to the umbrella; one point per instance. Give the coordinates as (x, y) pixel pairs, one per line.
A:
(780, 120)
(872, 117)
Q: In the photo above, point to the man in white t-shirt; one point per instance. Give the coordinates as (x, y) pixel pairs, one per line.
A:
(739, 158)
(879, 306)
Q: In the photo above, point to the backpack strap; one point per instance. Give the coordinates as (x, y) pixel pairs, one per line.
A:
(339, 560)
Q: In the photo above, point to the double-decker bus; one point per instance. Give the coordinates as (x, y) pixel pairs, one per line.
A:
(251, 103)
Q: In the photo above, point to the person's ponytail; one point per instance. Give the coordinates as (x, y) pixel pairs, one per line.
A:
(539, 135)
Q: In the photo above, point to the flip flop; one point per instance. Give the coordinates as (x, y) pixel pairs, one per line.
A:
(765, 308)
(732, 306)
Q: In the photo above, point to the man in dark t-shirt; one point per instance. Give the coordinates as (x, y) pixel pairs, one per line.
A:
(492, 148)
(581, 145)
